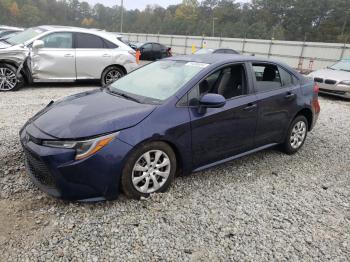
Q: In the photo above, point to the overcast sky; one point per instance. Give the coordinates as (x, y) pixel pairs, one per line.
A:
(133, 4)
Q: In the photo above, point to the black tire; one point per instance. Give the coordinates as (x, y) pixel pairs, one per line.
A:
(18, 81)
(287, 146)
(106, 77)
(127, 175)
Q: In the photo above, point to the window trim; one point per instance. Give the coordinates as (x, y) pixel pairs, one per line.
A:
(250, 90)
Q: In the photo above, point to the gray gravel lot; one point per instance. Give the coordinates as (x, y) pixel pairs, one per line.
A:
(265, 207)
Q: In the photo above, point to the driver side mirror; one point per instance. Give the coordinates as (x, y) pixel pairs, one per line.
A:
(37, 44)
(210, 101)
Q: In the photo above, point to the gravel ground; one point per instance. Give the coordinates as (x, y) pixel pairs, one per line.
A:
(265, 207)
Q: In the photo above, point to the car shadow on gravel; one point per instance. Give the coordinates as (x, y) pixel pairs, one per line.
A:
(83, 84)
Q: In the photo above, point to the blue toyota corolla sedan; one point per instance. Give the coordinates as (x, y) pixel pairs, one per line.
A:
(174, 116)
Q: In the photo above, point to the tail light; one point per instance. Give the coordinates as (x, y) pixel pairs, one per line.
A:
(316, 88)
(315, 103)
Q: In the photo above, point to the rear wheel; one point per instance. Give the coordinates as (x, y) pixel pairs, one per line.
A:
(150, 169)
(111, 74)
(296, 135)
(9, 81)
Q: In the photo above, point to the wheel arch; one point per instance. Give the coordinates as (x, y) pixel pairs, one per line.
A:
(24, 71)
(117, 65)
(307, 112)
(173, 146)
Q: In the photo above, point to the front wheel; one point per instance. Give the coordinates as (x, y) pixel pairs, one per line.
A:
(150, 169)
(9, 80)
(296, 135)
(111, 74)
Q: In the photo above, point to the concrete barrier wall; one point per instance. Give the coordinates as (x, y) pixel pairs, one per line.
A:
(302, 55)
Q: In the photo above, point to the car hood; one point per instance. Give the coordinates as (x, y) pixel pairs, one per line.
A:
(90, 114)
(337, 75)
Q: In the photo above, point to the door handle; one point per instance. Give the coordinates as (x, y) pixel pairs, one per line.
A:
(290, 96)
(250, 107)
(106, 55)
(68, 55)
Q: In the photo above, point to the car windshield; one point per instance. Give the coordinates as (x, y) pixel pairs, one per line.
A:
(157, 81)
(24, 36)
(204, 51)
(342, 65)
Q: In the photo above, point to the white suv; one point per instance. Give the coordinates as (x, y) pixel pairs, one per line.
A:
(63, 54)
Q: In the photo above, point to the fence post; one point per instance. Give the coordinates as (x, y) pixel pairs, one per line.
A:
(301, 57)
(220, 41)
(186, 39)
(158, 37)
(171, 41)
(137, 37)
(343, 49)
(270, 46)
(243, 47)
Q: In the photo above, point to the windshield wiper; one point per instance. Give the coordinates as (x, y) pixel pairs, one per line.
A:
(344, 70)
(123, 95)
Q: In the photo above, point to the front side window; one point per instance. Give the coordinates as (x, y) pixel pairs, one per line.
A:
(156, 47)
(58, 40)
(89, 41)
(147, 47)
(157, 81)
(267, 77)
(229, 82)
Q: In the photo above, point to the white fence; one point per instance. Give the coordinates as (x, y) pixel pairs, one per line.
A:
(301, 55)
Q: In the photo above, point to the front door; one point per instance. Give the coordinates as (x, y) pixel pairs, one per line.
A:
(220, 133)
(56, 60)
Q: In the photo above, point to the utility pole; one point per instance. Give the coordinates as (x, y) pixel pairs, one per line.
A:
(344, 25)
(121, 15)
(214, 18)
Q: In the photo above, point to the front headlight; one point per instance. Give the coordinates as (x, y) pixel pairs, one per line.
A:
(346, 82)
(83, 148)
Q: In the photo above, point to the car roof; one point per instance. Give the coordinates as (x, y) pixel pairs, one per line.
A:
(215, 58)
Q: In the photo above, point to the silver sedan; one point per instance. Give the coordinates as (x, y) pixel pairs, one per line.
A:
(334, 80)
(63, 54)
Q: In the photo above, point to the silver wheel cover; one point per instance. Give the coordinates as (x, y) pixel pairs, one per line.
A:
(298, 134)
(8, 79)
(151, 171)
(112, 76)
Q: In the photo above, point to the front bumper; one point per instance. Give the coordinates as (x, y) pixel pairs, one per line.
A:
(56, 172)
(338, 90)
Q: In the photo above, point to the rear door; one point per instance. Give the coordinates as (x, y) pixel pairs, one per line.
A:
(146, 51)
(157, 51)
(93, 55)
(56, 60)
(277, 91)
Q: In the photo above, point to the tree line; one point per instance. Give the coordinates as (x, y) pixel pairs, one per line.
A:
(295, 20)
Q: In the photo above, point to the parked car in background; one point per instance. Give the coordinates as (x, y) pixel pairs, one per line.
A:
(334, 80)
(63, 54)
(152, 51)
(216, 51)
(5, 31)
(194, 112)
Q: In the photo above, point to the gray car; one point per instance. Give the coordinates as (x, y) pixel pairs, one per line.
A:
(63, 54)
(334, 80)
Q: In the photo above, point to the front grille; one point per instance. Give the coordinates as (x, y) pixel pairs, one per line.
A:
(38, 169)
(330, 82)
(318, 80)
(333, 91)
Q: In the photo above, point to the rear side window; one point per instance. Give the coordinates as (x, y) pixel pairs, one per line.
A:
(156, 47)
(287, 78)
(267, 77)
(58, 40)
(89, 41)
(109, 45)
